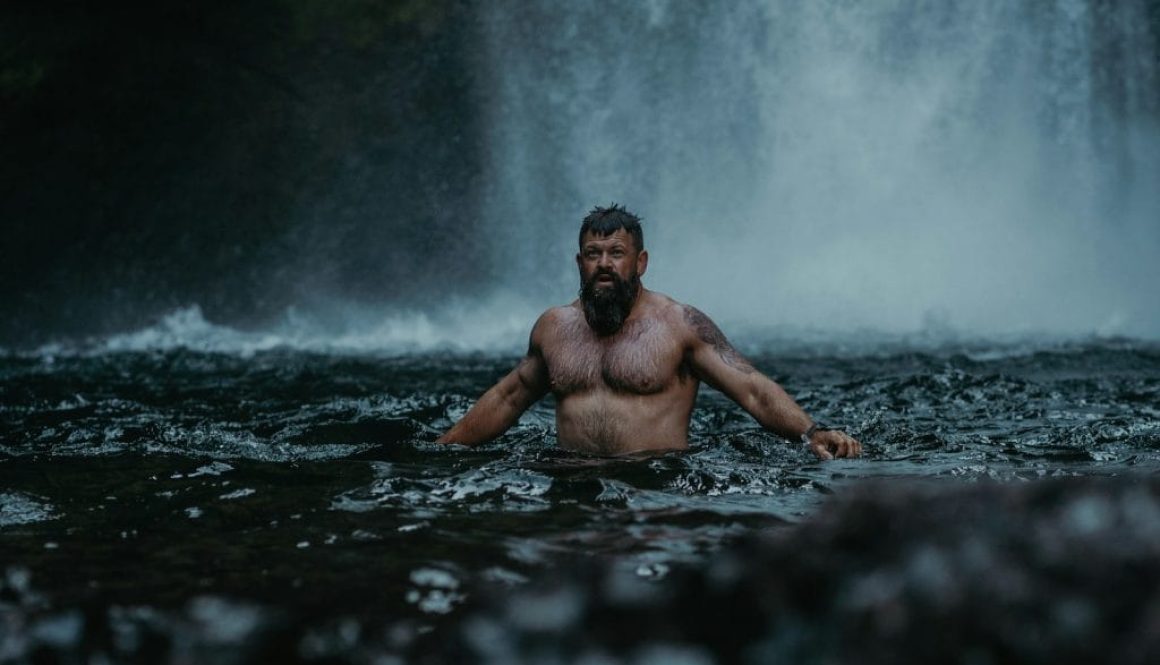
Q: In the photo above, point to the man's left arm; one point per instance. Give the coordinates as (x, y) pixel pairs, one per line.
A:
(717, 363)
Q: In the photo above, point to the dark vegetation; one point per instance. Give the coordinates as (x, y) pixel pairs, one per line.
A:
(240, 155)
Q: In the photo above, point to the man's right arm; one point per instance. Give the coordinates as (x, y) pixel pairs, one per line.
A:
(501, 406)
(715, 361)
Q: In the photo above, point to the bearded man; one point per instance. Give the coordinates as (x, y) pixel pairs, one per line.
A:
(625, 363)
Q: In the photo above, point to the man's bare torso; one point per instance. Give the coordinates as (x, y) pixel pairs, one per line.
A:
(630, 391)
(624, 363)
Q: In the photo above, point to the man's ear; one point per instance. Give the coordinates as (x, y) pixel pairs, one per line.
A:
(641, 262)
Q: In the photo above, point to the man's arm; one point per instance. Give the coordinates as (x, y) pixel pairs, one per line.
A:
(501, 406)
(717, 363)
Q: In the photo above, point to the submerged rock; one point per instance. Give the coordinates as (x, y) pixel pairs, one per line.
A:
(1060, 571)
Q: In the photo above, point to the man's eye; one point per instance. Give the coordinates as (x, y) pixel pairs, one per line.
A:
(617, 253)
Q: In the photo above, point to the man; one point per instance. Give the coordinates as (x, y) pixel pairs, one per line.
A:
(625, 363)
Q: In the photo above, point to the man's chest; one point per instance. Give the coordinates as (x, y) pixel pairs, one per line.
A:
(641, 359)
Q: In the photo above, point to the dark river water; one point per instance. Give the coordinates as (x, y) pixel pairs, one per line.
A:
(187, 506)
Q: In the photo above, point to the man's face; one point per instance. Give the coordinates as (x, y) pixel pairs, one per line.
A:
(604, 258)
(610, 270)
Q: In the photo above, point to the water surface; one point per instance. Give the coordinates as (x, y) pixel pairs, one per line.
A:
(182, 497)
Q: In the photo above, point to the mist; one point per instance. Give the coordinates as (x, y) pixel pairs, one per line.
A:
(403, 179)
(987, 168)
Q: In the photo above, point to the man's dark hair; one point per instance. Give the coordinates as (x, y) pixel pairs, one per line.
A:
(605, 222)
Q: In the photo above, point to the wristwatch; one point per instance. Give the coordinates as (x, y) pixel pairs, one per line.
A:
(810, 432)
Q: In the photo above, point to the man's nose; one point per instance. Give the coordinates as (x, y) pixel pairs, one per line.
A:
(605, 261)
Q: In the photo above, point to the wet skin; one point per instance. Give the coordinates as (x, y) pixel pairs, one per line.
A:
(632, 390)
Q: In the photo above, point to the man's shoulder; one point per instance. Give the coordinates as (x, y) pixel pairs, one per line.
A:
(692, 323)
(554, 318)
(559, 314)
(668, 309)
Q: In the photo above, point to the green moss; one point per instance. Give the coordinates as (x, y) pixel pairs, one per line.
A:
(19, 78)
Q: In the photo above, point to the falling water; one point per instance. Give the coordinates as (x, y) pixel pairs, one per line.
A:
(983, 167)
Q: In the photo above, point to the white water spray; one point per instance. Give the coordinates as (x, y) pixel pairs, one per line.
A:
(986, 167)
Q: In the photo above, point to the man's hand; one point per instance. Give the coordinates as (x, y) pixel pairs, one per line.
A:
(828, 444)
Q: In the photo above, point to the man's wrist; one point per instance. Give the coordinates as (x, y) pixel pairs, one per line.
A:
(813, 429)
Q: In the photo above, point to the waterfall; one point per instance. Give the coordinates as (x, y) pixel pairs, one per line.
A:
(986, 165)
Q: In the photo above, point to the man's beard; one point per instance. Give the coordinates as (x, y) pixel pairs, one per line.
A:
(607, 308)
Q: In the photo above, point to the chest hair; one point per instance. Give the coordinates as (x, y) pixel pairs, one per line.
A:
(639, 359)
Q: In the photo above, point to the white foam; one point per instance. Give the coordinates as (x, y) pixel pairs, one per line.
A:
(17, 508)
(499, 324)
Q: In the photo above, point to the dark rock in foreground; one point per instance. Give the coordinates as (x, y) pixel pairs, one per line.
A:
(1059, 571)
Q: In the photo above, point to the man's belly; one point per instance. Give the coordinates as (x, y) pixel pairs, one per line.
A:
(608, 423)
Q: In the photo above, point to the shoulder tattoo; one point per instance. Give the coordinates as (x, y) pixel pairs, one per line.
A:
(709, 333)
